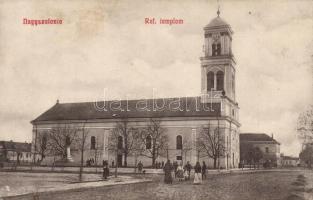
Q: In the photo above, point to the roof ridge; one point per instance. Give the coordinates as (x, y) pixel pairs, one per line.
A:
(129, 100)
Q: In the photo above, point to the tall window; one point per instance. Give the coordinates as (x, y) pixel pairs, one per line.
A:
(210, 81)
(44, 142)
(148, 142)
(179, 142)
(67, 141)
(266, 149)
(216, 49)
(120, 142)
(220, 80)
(93, 142)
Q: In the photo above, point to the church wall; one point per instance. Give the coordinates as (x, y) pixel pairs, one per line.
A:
(184, 127)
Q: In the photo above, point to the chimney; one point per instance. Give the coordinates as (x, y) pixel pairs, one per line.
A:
(272, 136)
(57, 101)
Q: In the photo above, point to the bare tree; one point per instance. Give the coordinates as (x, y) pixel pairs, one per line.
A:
(129, 139)
(186, 147)
(305, 126)
(60, 138)
(41, 145)
(137, 146)
(115, 146)
(251, 154)
(82, 148)
(306, 155)
(210, 143)
(155, 140)
(124, 130)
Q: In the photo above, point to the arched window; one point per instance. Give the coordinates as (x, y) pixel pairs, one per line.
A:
(216, 49)
(179, 142)
(210, 81)
(220, 80)
(120, 142)
(93, 142)
(148, 142)
(213, 49)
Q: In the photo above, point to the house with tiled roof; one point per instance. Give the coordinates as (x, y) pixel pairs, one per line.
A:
(19, 152)
(290, 161)
(269, 147)
(182, 118)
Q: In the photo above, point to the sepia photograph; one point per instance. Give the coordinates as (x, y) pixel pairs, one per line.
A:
(156, 99)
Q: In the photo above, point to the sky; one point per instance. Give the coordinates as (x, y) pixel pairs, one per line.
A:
(106, 46)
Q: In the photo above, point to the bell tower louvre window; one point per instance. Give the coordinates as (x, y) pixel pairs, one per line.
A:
(210, 81)
(216, 49)
(220, 81)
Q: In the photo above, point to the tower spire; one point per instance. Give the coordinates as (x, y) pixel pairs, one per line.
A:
(218, 8)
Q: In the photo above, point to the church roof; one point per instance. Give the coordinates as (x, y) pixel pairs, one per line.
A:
(142, 108)
(256, 137)
(217, 22)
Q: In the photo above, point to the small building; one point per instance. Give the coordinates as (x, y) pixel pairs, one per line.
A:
(19, 152)
(268, 146)
(289, 161)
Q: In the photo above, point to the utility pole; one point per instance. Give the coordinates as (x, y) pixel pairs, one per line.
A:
(218, 144)
(116, 158)
(35, 149)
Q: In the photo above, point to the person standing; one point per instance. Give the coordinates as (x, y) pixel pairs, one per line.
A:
(188, 169)
(140, 166)
(203, 170)
(168, 168)
(106, 170)
(198, 177)
(180, 173)
(175, 165)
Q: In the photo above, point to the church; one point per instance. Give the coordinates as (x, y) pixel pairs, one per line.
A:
(182, 119)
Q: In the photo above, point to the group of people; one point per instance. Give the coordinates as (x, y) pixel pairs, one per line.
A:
(90, 162)
(159, 165)
(172, 171)
(182, 173)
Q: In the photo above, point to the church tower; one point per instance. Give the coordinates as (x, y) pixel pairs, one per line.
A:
(218, 71)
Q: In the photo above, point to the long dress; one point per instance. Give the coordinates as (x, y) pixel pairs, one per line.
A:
(180, 173)
(198, 175)
(168, 168)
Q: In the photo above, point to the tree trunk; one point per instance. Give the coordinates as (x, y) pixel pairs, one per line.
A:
(125, 159)
(214, 163)
(115, 173)
(153, 155)
(135, 163)
(153, 160)
(81, 165)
